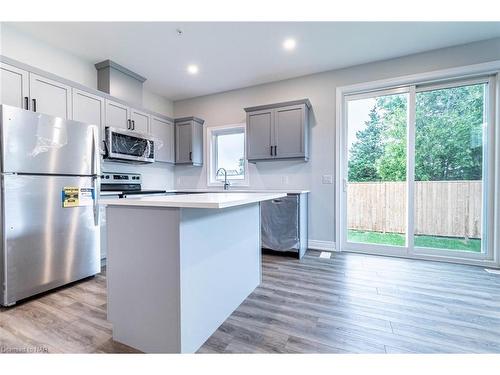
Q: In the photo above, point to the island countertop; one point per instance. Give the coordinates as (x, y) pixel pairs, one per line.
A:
(238, 190)
(202, 200)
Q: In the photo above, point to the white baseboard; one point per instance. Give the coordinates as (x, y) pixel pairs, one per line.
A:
(321, 245)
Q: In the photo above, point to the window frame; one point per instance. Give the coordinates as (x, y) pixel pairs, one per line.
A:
(422, 82)
(212, 133)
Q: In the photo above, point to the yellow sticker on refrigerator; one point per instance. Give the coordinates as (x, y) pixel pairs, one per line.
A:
(73, 196)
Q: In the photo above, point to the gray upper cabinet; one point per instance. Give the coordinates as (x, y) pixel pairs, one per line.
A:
(14, 87)
(260, 135)
(88, 108)
(290, 132)
(164, 135)
(117, 115)
(278, 131)
(197, 142)
(30, 91)
(189, 141)
(183, 135)
(140, 121)
(50, 97)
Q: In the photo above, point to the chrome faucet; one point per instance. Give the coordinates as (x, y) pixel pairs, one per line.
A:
(226, 182)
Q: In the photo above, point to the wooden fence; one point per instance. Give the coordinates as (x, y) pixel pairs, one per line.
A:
(442, 208)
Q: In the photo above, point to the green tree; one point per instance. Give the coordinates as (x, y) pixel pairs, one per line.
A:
(241, 166)
(366, 150)
(391, 165)
(448, 137)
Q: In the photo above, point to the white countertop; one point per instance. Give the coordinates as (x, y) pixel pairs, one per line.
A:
(203, 200)
(238, 190)
(215, 190)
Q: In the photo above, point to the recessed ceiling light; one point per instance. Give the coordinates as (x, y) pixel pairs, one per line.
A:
(192, 69)
(289, 44)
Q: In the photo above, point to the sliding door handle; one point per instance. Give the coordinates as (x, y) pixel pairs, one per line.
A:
(34, 105)
(26, 103)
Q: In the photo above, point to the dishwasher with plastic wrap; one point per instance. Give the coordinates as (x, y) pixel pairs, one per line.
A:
(284, 224)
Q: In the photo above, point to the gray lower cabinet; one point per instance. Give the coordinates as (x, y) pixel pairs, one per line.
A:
(163, 132)
(278, 131)
(189, 141)
(14, 86)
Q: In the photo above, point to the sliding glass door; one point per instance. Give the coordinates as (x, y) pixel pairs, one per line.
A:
(376, 183)
(416, 167)
(451, 169)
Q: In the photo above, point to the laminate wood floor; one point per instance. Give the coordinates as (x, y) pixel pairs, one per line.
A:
(350, 303)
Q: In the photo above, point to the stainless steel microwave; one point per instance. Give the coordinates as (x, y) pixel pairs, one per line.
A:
(127, 146)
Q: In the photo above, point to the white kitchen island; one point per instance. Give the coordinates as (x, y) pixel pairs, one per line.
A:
(179, 265)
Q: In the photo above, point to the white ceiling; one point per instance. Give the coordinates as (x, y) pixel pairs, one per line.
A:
(234, 55)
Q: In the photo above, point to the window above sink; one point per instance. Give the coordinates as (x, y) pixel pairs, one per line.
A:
(226, 149)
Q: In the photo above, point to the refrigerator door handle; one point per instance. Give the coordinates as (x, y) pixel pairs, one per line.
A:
(94, 154)
(95, 176)
(95, 206)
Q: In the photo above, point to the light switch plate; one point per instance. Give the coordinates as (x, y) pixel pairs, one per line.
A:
(284, 180)
(327, 179)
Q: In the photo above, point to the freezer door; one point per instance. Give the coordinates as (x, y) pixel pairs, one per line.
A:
(37, 143)
(46, 245)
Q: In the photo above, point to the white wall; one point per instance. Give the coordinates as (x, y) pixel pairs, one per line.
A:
(227, 108)
(26, 49)
(31, 51)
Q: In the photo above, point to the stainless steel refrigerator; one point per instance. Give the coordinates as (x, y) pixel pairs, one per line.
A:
(49, 203)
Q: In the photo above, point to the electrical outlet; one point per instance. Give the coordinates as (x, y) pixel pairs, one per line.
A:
(327, 179)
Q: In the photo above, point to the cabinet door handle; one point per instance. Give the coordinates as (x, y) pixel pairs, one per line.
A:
(128, 124)
(271, 150)
(275, 150)
(190, 155)
(34, 105)
(133, 124)
(26, 103)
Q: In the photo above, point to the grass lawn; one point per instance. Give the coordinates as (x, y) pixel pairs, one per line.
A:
(397, 239)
